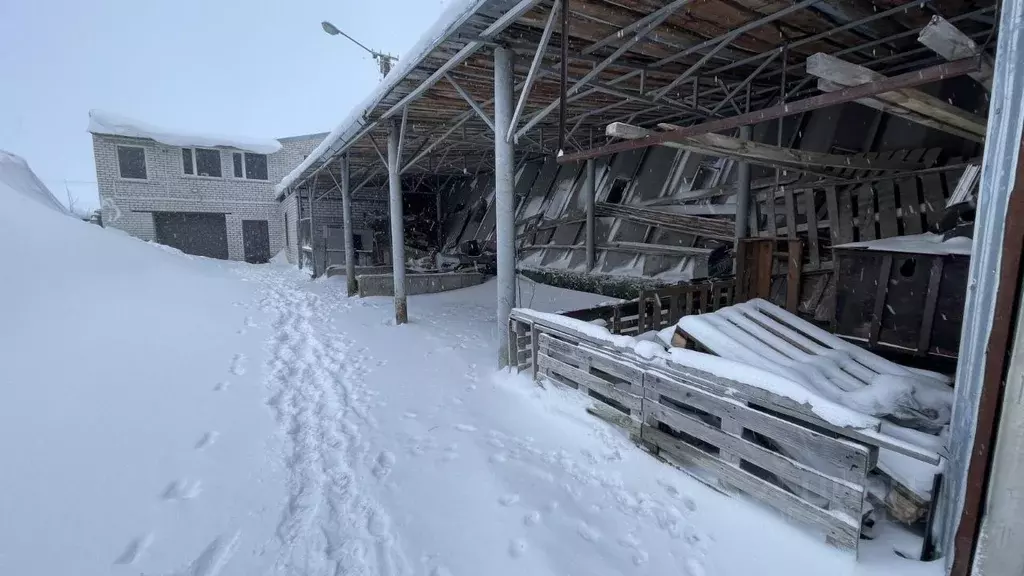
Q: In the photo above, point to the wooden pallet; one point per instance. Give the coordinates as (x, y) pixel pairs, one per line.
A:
(594, 373)
(746, 447)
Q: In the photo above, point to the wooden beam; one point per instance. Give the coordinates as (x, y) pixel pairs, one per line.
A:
(758, 153)
(884, 106)
(916, 78)
(848, 74)
(948, 41)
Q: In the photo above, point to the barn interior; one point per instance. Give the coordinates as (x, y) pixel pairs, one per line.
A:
(821, 155)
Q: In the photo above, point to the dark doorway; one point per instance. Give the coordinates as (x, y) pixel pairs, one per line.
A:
(200, 234)
(256, 239)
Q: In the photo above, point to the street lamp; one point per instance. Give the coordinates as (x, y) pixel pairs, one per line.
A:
(384, 61)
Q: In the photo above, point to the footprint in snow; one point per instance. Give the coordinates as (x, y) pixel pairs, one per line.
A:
(385, 461)
(238, 364)
(213, 558)
(249, 323)
(532, 518)
(221, 386)
(134, 550)
(587, 532)
(694, 567)
(182, 490)
(207, 439)
(508, 499)
(410, 415)
(465, 427)
(498, 457)
(517, 547)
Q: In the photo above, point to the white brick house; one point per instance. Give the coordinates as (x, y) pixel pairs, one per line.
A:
(206, 195)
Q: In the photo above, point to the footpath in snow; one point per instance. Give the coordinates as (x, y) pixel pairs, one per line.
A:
(169, 415)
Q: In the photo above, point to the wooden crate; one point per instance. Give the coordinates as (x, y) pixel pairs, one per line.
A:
(745, 447)
(901, 301)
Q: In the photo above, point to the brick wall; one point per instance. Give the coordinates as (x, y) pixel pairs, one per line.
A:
(129, 204)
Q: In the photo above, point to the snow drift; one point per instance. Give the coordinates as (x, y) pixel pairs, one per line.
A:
(102, 122)
(16, 178)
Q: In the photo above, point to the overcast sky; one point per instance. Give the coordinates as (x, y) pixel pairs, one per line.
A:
(257, 68)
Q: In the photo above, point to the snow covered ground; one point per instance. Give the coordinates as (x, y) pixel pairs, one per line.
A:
(165, 414)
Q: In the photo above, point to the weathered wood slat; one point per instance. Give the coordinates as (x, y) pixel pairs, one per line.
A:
(758, 153)
(931, 190)
(840, 531)
(812, 228)
(590, 382)
(847, 496)
(884, 272)
(930, 301)
(848, 74)
(849, 457)
(697, 225)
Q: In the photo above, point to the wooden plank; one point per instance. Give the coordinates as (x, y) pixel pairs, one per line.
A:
(850, 74)
(673, 306)
(794, 275)
(910, 201)
(599, 360)
(846, 456)
(845, 201)
(550, 344)
(839, 531)
(616, 319)
(641, 314)
(948, 41)
(812, 228)
(759, 153)
(832, 208)
(930, 301)
(886, 195)
(763, 269)
(590, 382)
(656, 300)
(898, 111)
(931, 190)
(848, 496)
(790, 203)
(884, 271)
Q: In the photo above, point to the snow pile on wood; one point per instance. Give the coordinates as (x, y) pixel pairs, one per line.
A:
(102, 122)
(19, 179)
(455, 13)
(761, 334)
(723, 367)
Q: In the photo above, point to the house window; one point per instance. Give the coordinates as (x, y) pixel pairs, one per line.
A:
(250, 166)
(131, 162)
(201, 162)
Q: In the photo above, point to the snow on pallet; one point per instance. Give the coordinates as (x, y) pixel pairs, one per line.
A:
(707, 423)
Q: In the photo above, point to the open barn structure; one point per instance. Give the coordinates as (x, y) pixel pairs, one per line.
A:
(628, 145)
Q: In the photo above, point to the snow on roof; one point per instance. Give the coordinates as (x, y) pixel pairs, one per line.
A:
(926, 243)
(454, 14)
(17, 178)
(102, 122)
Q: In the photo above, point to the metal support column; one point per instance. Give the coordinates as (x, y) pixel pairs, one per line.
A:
(504, 182)
(589, 190)
(312, 230)
(743, 192)
(346, 220)
(397, 225)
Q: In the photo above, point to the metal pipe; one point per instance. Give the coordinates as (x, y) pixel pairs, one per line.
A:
(589, 191)
(397, 223)
(472, 103)
(312, 229)
(533, 74)
(504, 183)
(346, 225)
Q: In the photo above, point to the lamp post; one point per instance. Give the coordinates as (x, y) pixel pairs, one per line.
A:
(384, 61)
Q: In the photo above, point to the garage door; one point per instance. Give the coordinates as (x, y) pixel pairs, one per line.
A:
(193, 233)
